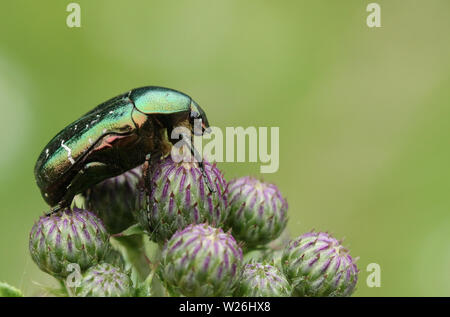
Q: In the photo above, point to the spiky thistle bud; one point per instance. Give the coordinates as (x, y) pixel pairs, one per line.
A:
(178, 196)
(117, 200)
(70, 236)
(201, 261)
(105, 280)
(318, 265)
(257, 211)
(263, 280)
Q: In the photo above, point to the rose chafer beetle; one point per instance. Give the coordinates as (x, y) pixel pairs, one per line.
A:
(114, 137)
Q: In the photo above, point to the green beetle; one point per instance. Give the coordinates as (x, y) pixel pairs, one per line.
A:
(111, 139)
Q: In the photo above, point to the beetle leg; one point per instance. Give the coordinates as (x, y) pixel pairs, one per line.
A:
(54, 209)
(148, 188)
(146, 174)
(199, 160)
(147, 185)
(205, 177)
(150, 160)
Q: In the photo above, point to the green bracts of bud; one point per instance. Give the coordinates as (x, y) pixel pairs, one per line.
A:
(257, 211)
(105, 280)
(318, 265)
(68, 237)
(263, 280)
(179, 196)
(201, 261)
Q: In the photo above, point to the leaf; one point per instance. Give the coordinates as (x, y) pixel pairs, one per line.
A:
(143, 289)
(135, 229)
(7, 290)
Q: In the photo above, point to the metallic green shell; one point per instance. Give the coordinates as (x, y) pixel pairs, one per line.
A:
(63, 169)
(64, 151)
(160, 100)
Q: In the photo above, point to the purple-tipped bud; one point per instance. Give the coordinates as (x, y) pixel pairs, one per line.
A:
(179, 196)
(201, 261)
(117, 200)
(257, 211)
(263, 280)
(105, 280)
(318, 265)
(67, 237)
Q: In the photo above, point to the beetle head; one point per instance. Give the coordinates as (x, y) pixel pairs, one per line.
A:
(197, 119)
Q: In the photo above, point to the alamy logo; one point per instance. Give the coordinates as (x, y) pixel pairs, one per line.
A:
(374, 18)
(240, 144)
(73, 280)
(374, 278)
(73, 19)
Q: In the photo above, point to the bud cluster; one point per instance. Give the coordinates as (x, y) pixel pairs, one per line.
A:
(76, 239)
(210, 238)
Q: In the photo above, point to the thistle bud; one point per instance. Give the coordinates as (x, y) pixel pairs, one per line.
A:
(71, 236)
(179, 196)
(263, 280)
(117, 200)
(318, 265)
(257, 211)
(201, 261)
(105, 280)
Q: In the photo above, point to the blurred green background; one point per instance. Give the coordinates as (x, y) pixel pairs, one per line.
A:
(363, 113)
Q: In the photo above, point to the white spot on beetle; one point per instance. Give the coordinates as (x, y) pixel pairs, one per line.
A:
(90, 141)
(111, 111)
(69, 152)
(46, 153)
(104, 130)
